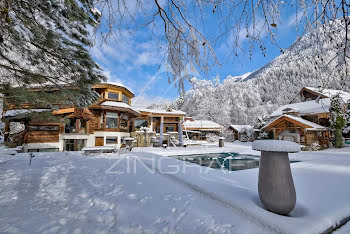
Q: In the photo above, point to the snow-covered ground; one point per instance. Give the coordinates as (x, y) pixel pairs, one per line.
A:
(144, 192)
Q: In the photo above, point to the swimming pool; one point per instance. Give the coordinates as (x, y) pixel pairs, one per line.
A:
(228, 161)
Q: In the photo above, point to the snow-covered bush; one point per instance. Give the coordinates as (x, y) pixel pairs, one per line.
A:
(264, 135)
(313, 147)
(246, 135)
(16, 127)
(346, 130)
(229, 135)
(211, 137)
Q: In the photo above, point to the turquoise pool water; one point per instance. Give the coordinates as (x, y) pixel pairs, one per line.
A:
(229, 161)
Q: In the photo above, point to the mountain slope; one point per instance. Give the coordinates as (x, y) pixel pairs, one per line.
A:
(310, 61)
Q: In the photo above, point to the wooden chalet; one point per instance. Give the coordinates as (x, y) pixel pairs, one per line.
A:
(312, 93)
(152, 119)
(306, 119)
(163, 125)
(294, 128)
(200, 129)
(104, 123)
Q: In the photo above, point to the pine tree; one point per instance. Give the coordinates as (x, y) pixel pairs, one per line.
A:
(337, 119)
(44, 43)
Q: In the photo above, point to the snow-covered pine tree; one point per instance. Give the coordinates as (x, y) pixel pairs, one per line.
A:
(43, 43)
(337, 119)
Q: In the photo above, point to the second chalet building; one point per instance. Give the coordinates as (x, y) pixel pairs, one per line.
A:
(306, 119)
(200, 129)
(104, 123)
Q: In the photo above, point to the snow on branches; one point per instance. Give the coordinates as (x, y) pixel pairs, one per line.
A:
(44, 43)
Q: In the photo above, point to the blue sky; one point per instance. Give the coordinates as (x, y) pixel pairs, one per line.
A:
(137, 60)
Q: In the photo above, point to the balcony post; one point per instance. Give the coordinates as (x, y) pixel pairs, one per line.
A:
(161, 130)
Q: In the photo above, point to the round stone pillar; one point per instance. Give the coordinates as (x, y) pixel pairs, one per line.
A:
(276, 186)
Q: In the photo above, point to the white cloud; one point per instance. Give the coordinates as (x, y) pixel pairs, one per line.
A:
(294, 19)
(126, 52)
(147, 58)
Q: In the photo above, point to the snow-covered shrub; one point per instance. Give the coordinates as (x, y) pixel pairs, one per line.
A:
(16, 127)
(264, 135)
(229, 135)
(346, 130)
(211, 137)
(246, 135)
(313, 147)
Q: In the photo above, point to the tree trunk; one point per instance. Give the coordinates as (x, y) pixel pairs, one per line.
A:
(338, 138)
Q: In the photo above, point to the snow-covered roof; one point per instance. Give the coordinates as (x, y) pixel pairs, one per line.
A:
(312, 125)
(118, 85)
(240, 128)
(15, 112)
(167, 112)
(118, 104)
(290, 110)
(202, 124)
(304, 108)
(306, 122)
(331, 92)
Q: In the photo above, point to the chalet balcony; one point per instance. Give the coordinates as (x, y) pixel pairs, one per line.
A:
(76, 126)
(111, 130)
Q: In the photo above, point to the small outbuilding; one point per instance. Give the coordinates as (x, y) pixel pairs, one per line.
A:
(200, 129)
(299, 130)
(241, 132)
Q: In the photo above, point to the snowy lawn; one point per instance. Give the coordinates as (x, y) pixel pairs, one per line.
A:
(144, 192)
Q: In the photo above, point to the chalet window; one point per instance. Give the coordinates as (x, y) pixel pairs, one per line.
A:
(74, 144)
(125, 99)
(111, 120)
(124, 122)
(140, 123)
(69, 145)
(43, 128)
(33, 128)
(169, 128)
(48, 128)
(113, 96)
(70, 126)
(111, 140)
